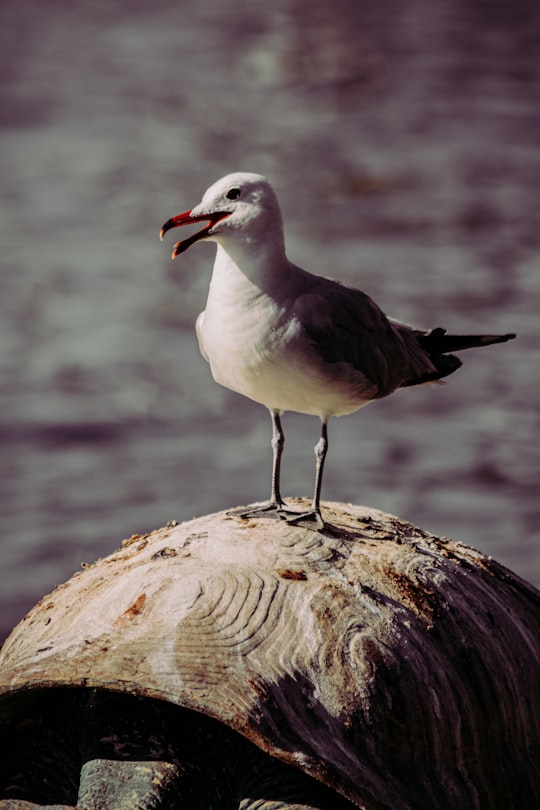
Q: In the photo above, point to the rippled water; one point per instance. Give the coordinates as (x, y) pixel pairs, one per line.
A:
(402, 139)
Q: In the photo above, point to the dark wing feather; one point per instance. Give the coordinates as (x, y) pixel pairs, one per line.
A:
(345, 326)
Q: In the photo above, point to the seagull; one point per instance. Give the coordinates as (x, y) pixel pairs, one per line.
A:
(295, 341)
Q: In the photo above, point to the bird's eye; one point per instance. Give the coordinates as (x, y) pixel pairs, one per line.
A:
(233, 194)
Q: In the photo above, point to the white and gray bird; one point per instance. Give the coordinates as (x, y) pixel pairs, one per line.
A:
(294, 341)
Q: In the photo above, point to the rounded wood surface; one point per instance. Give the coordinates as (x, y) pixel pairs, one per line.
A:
(397, 667)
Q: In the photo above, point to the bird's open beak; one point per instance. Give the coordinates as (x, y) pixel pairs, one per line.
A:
(187, 218)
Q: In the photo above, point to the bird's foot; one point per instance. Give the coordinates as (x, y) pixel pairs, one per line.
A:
(277, 510)
(271, 509)
(308, 520)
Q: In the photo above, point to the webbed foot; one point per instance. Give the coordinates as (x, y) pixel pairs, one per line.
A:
(276, 510)
(308, 520)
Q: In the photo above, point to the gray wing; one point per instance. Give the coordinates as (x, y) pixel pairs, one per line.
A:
(345, 325)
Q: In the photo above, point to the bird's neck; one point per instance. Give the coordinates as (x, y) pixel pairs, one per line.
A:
(249, 265)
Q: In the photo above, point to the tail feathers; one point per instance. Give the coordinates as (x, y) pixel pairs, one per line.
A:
(445, 364)
(438, 342)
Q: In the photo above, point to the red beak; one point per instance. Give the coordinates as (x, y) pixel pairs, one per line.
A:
(187, 219)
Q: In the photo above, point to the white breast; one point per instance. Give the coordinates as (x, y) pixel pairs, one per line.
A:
(259, 351)
(256, 346)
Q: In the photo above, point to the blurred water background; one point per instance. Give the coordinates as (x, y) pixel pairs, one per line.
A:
(403, 140)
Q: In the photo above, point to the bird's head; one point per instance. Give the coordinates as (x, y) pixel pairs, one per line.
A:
(240, 207)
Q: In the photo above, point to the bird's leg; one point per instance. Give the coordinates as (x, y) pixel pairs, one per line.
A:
(278, 442)
(321, 449)
(275, 507)
(314, 515)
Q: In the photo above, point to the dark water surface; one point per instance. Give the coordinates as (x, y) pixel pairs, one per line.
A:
(403, 140)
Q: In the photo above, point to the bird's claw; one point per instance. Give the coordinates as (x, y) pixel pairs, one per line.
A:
(308, 520)
(271, 509)
(277, 510)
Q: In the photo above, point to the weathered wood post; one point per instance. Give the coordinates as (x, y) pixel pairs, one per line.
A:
(393, 670)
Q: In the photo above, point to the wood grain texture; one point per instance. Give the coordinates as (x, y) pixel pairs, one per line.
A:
(399, 668)
(111, 784)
